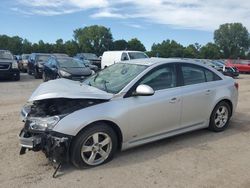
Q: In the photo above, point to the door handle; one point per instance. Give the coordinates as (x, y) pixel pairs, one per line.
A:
(208, 92)
(173, 100)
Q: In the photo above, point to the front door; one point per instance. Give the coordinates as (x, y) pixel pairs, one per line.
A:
(153, 116)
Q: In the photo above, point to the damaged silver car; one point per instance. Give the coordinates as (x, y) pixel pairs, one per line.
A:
(123, 106)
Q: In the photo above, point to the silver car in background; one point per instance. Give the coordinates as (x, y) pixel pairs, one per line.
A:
(123, 106)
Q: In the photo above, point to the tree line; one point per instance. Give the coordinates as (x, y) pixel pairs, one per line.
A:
(231, 40)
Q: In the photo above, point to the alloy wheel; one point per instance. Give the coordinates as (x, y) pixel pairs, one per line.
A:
(221, 116)
(96, 148)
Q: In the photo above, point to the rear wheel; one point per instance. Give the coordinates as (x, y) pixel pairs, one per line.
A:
(94, 146)
(220, 117)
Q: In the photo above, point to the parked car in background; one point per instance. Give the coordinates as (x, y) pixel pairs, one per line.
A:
(225, 69)
(88, 63)
(35, 64)
(65, 67)
(111, 57)
(8, 66)
(220, 66)
(23, 62)
(242, 65)
(123, 106)
(58, 55)
(92, 58)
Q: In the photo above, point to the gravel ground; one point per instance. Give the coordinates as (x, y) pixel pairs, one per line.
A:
(197, 159)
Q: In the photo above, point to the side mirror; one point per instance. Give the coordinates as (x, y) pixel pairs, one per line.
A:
(144, 90)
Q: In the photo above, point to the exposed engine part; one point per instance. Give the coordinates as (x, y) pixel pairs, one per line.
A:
(51, 107)
(56, 170)
(54, 145)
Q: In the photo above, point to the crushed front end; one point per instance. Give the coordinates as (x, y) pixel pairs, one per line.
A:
(40, 117)
(53, 144)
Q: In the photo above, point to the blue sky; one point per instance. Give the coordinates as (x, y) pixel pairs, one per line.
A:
(150, 21)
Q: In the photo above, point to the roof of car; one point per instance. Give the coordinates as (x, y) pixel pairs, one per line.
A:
(156, 60)
(41, 53)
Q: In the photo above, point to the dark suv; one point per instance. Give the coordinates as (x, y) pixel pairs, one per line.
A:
(8, 66)
(35, 64)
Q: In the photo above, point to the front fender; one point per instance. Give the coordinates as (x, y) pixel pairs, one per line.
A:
(76, 121)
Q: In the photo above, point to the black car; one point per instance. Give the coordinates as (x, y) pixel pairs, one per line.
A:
(8, 66)
(65, 67)
(92, 58)
(35, 64)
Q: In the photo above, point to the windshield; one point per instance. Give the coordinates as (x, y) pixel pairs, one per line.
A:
(137, 55)
(114, 78)
(5, 55)
(25, 57)
(70, 63)
(60, 55)
(43, 57)
(90, 56)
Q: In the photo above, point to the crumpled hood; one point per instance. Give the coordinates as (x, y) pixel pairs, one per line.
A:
(64, 88)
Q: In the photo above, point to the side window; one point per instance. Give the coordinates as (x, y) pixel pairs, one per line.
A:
(161, 78)
(53, 63)
(32, 57)
(210, 76)
(193, 74)
(48, 63)
(124, 57)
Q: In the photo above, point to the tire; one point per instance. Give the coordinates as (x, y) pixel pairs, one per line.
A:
(219, 119)
(45, 79)
(28, 71)
(82, 159)
(36, 74)
(17, 77)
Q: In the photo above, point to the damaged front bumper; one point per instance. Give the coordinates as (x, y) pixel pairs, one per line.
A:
(54, 145)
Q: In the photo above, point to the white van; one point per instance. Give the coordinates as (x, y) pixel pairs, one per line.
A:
(111, 57)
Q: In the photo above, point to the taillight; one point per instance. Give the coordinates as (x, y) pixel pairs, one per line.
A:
(236, 85)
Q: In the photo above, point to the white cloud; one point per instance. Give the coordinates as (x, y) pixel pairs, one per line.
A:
(193, 14)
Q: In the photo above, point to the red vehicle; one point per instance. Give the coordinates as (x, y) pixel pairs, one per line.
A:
(242, 65)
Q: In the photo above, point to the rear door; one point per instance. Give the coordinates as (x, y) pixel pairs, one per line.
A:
(198, 92)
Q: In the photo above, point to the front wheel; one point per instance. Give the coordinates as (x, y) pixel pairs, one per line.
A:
(29, 71)
(220, 117)
(94, 146)
(45, 79)
(36, 75)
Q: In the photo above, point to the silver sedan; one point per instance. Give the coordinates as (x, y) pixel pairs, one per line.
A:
(123, 106)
